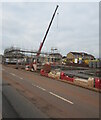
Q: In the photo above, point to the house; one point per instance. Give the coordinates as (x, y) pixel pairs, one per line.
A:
(77, 56)
(54, 57)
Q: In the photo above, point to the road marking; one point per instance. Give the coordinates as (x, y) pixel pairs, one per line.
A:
(41, 88)
(49, 92)
(16, 76)
(13, 74)
(61, 98)
(33, 84)
(21, 78)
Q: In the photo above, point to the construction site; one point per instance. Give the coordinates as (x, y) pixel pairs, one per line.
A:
(74, 80)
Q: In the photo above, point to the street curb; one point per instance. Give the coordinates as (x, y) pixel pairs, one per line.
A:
(65, 81)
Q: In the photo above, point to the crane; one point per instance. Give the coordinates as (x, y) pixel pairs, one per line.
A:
(34, 63)
(41, 45)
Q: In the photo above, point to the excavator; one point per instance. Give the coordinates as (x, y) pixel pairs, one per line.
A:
(35, 62)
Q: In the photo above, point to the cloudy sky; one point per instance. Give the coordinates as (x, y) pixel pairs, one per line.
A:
(75, 28)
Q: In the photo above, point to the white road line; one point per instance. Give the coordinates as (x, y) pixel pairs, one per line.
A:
(13, 74)
(16, 76)
(41, 88)
(49, 92)
(33, 84)
(61, 98)
(21, 78)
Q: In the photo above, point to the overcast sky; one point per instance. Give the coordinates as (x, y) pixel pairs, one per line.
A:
(75, 28)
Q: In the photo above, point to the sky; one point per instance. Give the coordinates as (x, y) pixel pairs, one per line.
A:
(74, 28)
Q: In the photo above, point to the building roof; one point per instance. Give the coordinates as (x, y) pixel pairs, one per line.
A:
(55, 54)
(82, 53)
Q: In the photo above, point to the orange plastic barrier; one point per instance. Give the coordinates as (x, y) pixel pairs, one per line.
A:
(98, 83)
(43, 73)
(65, 77)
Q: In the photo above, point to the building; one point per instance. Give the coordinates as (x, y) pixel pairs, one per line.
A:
(11, 55)
(74, 57)
(54, 58)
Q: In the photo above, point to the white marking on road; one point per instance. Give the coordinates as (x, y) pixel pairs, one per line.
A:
(33, 84)
(61, 98)
(13, 74)
(41, 88)
(49, 92)
(16, 76)
(21, 78)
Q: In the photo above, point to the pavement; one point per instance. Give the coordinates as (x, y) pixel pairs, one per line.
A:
(49, 98)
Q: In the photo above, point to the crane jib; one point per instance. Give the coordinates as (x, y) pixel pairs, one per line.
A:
(41, 45)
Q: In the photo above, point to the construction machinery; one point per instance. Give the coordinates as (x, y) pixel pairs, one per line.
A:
(35, 62)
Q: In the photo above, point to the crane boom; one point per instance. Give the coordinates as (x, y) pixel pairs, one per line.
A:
(41, 45)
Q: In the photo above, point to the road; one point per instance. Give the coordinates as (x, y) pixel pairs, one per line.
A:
(8, 110)
(17, 106)
(50, 98)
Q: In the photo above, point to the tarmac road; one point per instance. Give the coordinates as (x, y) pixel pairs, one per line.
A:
(8, 110)
(17, 106)
(54, 99)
